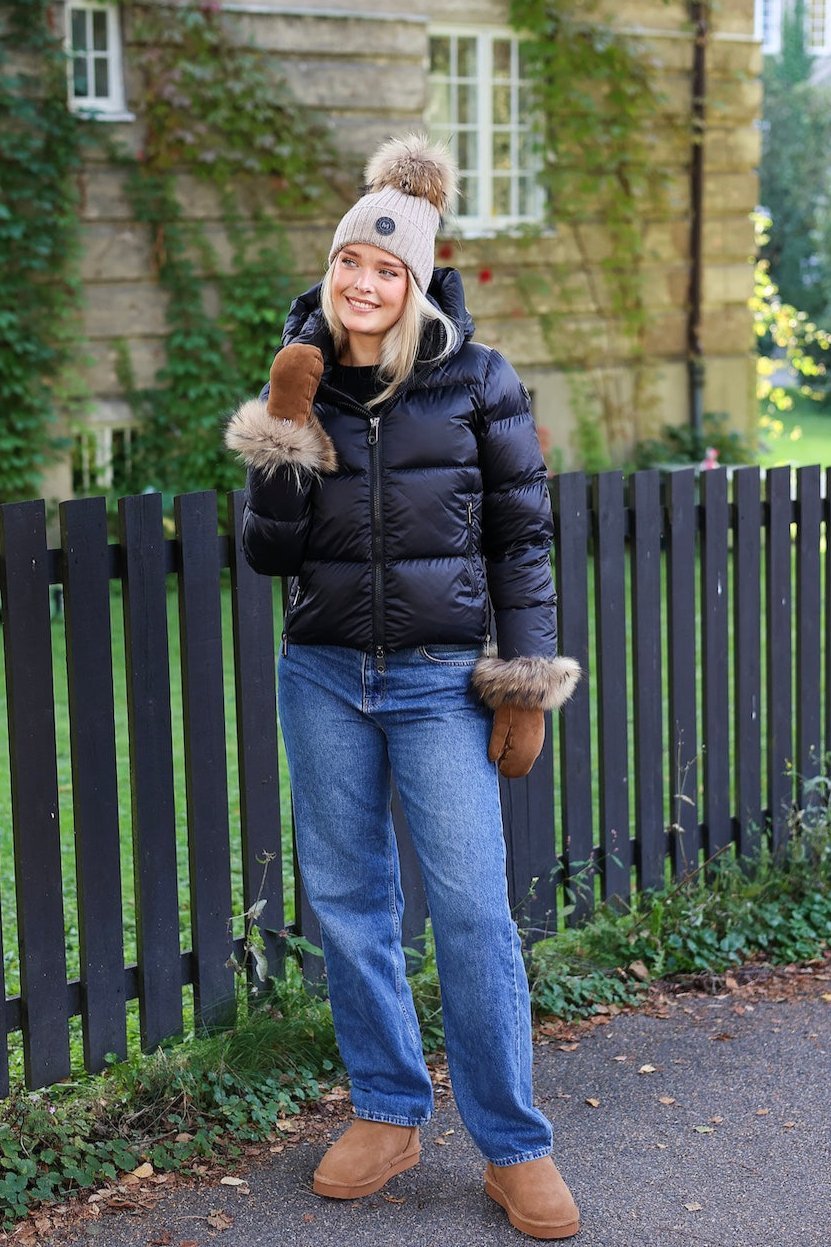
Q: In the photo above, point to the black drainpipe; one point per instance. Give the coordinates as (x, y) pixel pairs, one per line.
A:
(699, 14)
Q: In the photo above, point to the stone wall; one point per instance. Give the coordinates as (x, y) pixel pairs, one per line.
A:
(366, 69)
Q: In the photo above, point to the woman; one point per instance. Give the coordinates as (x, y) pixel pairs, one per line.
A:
(395, 476)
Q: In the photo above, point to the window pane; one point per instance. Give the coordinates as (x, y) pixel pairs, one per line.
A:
(79, 30)
(102, 78)
(440, 56)
(501, 58)
(466, 58)
(527, 148)
(501, 196)
(501, 105)
(80, 83)
(467, 145)
(466, 104)
(502, 150)
(468, 197)
(99, 30)
(527, 196)
(438, 104)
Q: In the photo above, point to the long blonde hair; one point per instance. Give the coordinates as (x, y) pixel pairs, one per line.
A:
(399, 345)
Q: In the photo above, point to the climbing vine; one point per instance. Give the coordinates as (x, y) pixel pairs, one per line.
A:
(215, 111)
(40, 148)
(597, 100)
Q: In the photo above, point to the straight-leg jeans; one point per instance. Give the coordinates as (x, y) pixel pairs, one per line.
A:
(349, 728)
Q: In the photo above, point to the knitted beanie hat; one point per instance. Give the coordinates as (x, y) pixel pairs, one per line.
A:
(410, 183)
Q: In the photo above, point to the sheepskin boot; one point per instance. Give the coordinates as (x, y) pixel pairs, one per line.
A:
(535, 1197)
(365, 1157)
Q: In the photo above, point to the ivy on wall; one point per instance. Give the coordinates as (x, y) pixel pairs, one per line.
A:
(40, 151)
(597, 100)
(217, 112)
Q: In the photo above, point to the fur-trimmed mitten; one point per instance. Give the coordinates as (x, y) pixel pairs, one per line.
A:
(285, 430)
(517, 739)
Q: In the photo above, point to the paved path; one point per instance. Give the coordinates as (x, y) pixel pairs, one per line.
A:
(633, 1163)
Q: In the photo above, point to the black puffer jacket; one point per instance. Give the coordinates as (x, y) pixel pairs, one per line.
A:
(437, 507)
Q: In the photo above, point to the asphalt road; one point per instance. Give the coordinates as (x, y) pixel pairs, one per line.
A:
(642, 1171)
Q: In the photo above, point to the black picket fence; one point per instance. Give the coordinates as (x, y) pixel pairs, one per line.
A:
(697, 613)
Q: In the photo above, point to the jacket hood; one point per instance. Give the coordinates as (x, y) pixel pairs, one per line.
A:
(305, 321)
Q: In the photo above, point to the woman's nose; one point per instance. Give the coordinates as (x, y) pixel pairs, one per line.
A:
(363, 280)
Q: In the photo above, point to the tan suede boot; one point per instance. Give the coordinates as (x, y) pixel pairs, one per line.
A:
(535, 1197)
(364, 1158)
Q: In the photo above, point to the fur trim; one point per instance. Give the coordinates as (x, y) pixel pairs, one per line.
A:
(414, 166)
(267, 444)
(534, 683)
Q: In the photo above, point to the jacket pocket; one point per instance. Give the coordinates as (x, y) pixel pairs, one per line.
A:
(473, 556)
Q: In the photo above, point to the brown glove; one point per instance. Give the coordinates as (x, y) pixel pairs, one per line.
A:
(294, 378)
(517, 739)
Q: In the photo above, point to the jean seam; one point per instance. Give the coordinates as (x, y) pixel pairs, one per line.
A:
(395, 937)
(392, 1119)
(446, 662)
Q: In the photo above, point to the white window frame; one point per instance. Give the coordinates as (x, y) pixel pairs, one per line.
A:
(111, 107)
(486, 222)
(821, 9)
(770, 39)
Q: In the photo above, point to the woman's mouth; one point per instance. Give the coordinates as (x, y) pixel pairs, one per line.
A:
(360, 305)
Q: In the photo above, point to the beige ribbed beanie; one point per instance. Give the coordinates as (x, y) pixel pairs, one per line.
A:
(410, 185)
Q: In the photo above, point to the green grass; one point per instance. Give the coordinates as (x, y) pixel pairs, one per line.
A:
(805, 437)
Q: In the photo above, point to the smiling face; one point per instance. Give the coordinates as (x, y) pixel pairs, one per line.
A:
(369, 290)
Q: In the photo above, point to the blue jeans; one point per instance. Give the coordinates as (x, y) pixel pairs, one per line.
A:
(348, 729)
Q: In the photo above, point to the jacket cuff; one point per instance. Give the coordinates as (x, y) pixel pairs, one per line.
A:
(534, 683)
(267, 444)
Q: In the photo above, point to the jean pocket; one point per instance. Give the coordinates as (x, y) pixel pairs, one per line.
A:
(451, 655)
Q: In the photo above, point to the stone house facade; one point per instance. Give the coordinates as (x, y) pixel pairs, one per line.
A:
(455, 67)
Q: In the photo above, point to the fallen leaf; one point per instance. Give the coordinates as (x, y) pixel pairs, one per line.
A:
(703, 1129)
(188, 1242)
(731, 982)
(394, 1199)
(722, 1035)
(693, 1207)
(232, 1181)
(450, 1131)
(827, 997)
(716, 1120)
(162, 1241)
(788, 1125)
(762, 1112)
(639, 970)
(591, 1101)
(308, 1217)
(144, 1171)
(567, 1047)
(647, 1069)
(130, 1179)
(183, 1137)
(618, 1058)
(219, 1220)
(666, 1099)
(440, 1142)
(663, 1146)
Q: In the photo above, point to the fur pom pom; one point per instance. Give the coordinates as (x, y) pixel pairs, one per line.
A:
(414, 166)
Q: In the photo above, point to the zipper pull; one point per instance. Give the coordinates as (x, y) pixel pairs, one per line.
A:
(285, 645)
(470, 515)
(380, 661)
(374, 421)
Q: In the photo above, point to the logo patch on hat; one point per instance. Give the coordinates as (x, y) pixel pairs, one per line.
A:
(385, 225)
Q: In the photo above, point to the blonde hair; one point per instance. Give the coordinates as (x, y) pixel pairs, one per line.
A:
(399, 345)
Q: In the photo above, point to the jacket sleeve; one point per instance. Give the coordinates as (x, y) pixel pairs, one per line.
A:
(517, 531)
(284, 460)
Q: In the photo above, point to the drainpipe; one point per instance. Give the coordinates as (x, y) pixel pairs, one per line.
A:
(699, 14)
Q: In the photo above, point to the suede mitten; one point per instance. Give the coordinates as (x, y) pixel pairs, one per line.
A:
(517, 738)
(293, 381)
